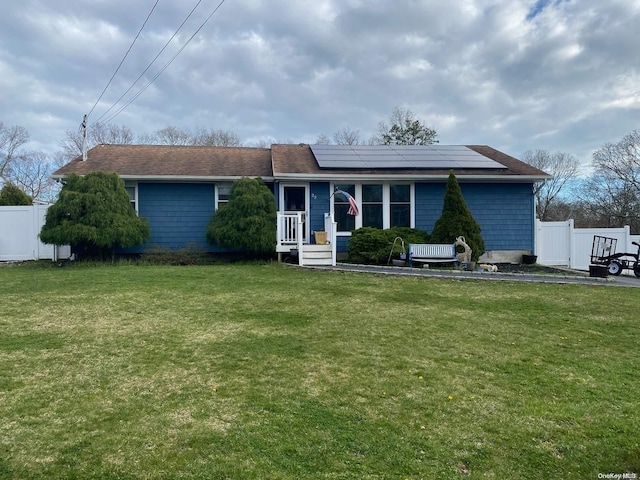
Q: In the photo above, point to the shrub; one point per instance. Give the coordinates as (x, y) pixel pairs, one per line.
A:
(372, 246)
(248, 221)
(11, 195)
(94, 214)
(456, 220)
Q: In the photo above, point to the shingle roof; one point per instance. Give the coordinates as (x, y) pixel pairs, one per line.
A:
(280, 161)
(299, 160)
(173, 161)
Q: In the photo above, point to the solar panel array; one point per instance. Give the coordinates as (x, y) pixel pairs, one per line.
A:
(401, 156)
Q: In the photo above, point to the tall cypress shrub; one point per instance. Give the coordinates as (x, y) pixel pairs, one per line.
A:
(456, 220)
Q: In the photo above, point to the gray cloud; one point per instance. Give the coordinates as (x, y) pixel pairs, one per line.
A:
(516, 75)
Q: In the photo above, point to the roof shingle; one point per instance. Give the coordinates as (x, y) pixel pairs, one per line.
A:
(280, 161)
(173, 161)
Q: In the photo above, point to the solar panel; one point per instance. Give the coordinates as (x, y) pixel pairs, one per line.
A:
(401, 156)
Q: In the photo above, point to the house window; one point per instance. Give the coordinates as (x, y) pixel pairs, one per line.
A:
(400, 205)
(372, 206)
(346, 222)
(132, 190)
(223, 193)
(381, 206)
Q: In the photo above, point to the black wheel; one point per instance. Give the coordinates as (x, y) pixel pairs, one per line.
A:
(615, 268)
(636, 269)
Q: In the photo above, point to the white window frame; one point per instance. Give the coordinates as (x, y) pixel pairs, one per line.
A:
(217, 193)
(134, 185)
(386, 202)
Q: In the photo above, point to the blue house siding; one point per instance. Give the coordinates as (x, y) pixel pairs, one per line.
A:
(504, 211)
(178, 213)
(318, 205)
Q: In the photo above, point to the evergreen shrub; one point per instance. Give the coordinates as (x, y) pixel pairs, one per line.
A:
(456, 220)
(10, 195)
(248, 221)
(372, 246)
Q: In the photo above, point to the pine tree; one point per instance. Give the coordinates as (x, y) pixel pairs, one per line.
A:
(456, 220)
(248, 220)
(94, 214)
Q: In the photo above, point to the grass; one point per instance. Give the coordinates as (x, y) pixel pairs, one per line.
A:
(266, 371)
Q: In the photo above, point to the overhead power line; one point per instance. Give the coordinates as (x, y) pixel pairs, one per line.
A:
(124, 58)
(153, 79)
(152, 62)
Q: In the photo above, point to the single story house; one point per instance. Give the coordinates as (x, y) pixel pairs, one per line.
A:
(179, 188)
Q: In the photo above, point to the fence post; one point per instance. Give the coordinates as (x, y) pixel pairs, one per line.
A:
(627, 239)
(572, 243)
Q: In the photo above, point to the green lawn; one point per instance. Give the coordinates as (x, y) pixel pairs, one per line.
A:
(266, 371)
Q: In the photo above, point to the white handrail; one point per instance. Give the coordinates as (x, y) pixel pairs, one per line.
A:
(300, 237)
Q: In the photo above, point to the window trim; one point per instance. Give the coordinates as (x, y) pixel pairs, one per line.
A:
(134, 185)
(219, 202)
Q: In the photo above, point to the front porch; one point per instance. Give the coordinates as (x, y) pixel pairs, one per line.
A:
(292, 239)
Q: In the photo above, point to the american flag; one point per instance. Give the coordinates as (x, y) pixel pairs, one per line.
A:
(353, 206)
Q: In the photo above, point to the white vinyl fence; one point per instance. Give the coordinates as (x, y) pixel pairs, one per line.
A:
(559, 243)
(19, 230)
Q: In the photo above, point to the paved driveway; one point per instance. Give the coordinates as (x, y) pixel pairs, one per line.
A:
(581, 278)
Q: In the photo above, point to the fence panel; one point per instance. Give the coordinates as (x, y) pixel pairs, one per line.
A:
(559, 243)
(19, 230)
(553, 245)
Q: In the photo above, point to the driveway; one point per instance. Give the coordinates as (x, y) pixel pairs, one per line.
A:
(570, 277)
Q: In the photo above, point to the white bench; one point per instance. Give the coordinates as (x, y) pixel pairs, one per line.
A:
(432, 253)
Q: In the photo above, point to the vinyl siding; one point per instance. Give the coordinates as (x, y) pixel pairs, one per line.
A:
(504, 212)
(178, 213)
(318, 205)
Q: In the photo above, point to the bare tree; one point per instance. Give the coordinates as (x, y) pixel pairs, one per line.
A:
(323, 140)
(347, 136)
(621, 160)
(610, 202)
(31, 173)
(11, 139)
(172, 135)
(261, 143)
(98, 133)
(562, 167)
(215, 138)
(405, 129)
(169, 135)
(110, 134)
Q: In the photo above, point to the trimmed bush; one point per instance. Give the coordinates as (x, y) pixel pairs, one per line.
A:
(371, 246)
(456, 220)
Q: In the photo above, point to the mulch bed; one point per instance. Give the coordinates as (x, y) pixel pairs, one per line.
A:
(530, 269)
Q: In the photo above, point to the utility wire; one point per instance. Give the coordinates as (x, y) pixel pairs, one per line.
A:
(150, 64)
(166, 65)
(124, 58)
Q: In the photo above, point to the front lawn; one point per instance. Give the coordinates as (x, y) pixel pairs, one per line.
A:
(267, 371)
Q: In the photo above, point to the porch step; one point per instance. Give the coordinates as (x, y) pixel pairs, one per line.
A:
(317, 255)
(317, 261)
(316, 248)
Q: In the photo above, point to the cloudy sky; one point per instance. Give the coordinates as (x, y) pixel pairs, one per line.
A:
(560, 75)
